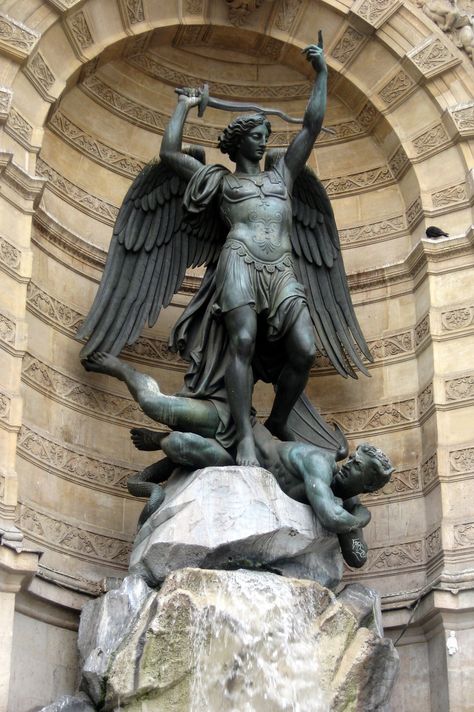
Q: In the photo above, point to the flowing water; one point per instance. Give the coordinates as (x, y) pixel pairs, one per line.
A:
(255, 646)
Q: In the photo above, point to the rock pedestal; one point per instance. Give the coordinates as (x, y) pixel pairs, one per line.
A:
(227, 641)
(226, 517)
(242, 622)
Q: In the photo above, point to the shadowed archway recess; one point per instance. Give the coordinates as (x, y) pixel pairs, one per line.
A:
(86, 89)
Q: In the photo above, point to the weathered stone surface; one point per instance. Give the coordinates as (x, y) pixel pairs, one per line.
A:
(364, 603)
(104, 623)
(228, 517)
(71, 703)
(246, 640)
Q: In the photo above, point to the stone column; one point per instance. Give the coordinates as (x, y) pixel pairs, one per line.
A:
(18, 193)
(16, 568)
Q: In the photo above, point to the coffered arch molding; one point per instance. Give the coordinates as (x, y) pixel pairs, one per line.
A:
(414, 63)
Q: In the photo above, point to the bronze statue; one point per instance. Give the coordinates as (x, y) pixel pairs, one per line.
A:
(304, 472)
(275, 287)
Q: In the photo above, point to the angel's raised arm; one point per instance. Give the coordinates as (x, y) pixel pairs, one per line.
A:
(300, 148)
(171, 146)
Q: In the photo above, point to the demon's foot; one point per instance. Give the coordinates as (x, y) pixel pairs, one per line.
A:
(102, 362)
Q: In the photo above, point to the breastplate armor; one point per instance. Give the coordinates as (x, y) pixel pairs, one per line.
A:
(237, 188)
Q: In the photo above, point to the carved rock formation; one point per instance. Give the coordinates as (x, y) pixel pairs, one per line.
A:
(231, 517)
(235, 640)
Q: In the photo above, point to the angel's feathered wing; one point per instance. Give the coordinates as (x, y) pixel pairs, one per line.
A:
(319, 266)
(154, 241)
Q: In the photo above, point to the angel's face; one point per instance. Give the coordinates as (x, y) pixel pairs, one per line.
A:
(253, 144)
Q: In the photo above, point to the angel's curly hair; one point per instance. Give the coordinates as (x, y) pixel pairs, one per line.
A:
(230, 138)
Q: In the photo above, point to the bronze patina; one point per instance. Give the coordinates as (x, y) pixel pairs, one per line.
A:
(275, 288)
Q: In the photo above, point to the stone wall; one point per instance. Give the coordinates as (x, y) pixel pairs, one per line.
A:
(86, 88)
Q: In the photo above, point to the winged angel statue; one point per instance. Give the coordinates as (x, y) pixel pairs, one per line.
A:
(274, 289)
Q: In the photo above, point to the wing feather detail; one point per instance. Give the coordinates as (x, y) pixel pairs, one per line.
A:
(153, 243)
(319, 266)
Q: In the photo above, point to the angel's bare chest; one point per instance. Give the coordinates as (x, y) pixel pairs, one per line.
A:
(258, 212)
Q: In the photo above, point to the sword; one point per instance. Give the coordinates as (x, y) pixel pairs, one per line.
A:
(224, 105)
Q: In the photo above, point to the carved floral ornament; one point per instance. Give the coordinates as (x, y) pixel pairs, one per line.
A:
(62, 536)
(66, 462)
(15, 38)
(40, 74)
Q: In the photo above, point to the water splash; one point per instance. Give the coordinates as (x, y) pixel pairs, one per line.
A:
(254, 646)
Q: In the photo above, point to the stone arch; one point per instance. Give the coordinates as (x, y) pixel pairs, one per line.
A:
(74, 33)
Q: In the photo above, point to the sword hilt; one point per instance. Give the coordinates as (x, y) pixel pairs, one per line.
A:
(204, 99)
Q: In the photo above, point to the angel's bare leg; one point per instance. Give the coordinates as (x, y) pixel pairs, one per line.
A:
(179, 413)
(241, 325)
(301, 351)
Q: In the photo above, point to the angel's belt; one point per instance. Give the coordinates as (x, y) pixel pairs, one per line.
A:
(282, 264)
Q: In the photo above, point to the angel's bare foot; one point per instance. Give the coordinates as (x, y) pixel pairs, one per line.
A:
(246, 453)
(279, 430)
(145, 439)
(102, 362)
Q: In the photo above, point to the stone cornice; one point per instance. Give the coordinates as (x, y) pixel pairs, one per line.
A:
(347, 45)
(77, 29)
(395, 347)
(151, 65)
(80, 396)
(6, 96)
(368, 233)
(404, 484)
(359, 182)
(431, 58)
(99, 403)
(409, 555)
(75, 540)
(73, 464)
(379, 418)
(28, 187)
(55, 239)
(427, 255)
(132, 12)
(66, 319)
(111, 158)
(64, 5)
(19, 128)
(90, 204)
(41, 76)
(12, 335)
(203, 133)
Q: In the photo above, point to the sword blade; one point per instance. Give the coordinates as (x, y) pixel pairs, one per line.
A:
(242, 106)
